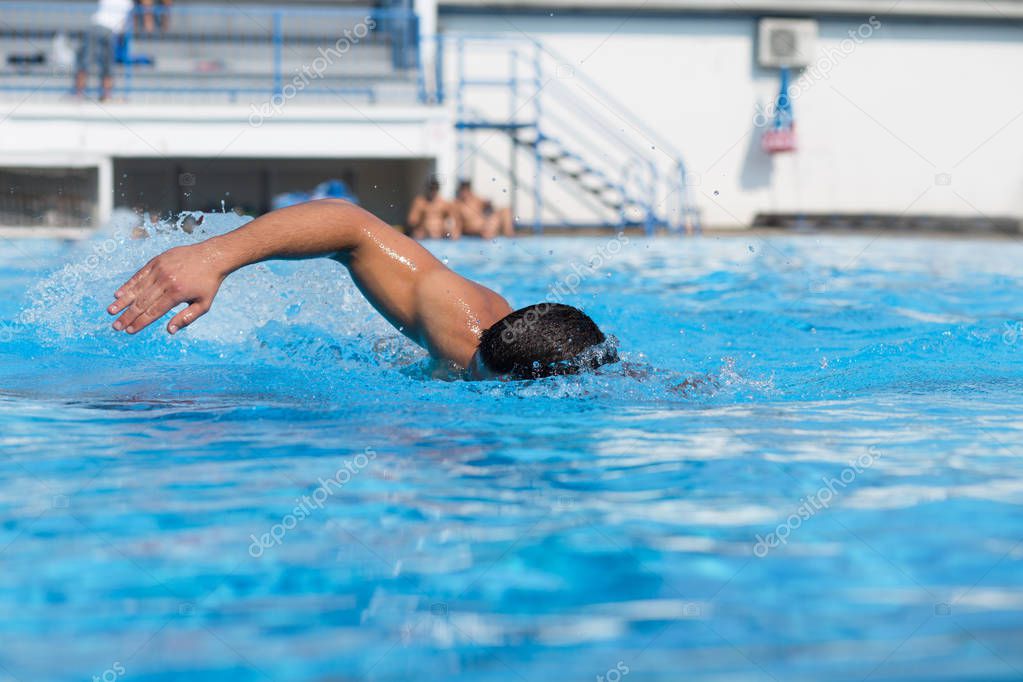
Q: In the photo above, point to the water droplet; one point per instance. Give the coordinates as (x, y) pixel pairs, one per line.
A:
(716, 192)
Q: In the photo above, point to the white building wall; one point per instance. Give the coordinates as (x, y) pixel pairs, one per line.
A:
(90, 135)
(923, 117)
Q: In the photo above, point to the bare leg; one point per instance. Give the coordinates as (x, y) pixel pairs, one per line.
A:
(165, 16)
(81, 80)
(455, 229)
(148, 22)
(108, 85)
(490, 227)
(507, 225)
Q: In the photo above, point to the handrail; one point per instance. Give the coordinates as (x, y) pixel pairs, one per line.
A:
(234, 9)
(638, 163)
(275, 38)
(633, 118)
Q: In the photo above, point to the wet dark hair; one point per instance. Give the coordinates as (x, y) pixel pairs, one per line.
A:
(464, 184)
(543, 340)
(432, 185)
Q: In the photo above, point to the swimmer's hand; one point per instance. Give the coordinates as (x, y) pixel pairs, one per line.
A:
(187, 274)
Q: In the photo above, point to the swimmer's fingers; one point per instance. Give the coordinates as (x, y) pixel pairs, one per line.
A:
(132, 289)
(132, 281)
(154, 310)
(143, 298)
(187, 316)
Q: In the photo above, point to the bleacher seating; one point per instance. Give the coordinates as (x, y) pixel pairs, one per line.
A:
(224, 52)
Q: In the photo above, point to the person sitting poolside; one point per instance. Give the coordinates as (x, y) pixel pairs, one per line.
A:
(452, 317)
(478, 217)
(431, 216)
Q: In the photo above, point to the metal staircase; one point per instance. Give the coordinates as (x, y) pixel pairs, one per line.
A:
(585, 147)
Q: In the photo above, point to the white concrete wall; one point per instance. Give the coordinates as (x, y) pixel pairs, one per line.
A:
(90, 135)
(921, 118)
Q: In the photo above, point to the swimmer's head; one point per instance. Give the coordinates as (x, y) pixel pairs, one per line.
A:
(540, 341)
(432, 187)
(464, 188)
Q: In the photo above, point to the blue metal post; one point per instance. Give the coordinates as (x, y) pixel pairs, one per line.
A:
(683, 203)
(418, 54)
(405, 35)
(651, 216)
(438, 59)
(128, 35)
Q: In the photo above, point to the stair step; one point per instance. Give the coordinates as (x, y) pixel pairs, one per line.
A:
(608, 193)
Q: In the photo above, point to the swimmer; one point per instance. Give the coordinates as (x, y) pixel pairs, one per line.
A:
(479, 217)
(452, 317)
(432, 216)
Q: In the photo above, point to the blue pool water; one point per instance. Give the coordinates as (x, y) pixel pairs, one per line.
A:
(839, 498)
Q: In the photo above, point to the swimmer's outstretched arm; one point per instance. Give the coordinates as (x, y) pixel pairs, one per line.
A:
(432, 305)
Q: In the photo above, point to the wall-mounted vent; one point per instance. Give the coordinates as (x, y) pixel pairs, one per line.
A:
(787, 42)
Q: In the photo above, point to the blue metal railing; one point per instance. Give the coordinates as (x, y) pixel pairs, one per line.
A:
(231, 52)
(577, 128)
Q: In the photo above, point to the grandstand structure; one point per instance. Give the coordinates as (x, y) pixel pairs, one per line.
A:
(577, 114)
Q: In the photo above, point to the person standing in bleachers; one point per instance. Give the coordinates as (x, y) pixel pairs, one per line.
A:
(99, 46)
(149, 16)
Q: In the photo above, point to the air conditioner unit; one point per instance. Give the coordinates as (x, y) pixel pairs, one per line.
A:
(786, 42)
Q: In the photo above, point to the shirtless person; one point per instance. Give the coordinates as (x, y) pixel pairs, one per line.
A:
(455, 319)
(478, 217)
(431, 216)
